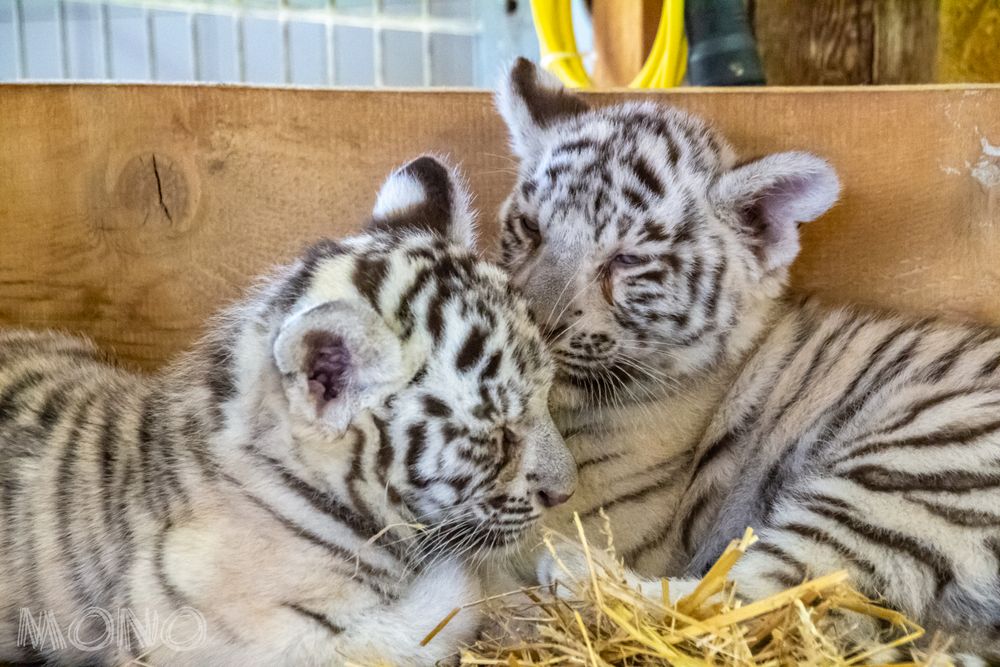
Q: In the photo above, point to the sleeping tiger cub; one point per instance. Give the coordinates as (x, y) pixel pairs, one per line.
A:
(264, 492)
(699, 399)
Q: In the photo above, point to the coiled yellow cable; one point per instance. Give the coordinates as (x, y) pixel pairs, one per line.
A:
(664, 67)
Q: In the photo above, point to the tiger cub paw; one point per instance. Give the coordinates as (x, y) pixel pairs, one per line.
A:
(567, 571)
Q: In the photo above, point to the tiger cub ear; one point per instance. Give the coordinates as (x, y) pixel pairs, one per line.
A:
(771, 196)
(337, 359)
(427, 195)
(530, 101)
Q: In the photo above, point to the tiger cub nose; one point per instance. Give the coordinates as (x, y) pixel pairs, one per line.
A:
(553, 498)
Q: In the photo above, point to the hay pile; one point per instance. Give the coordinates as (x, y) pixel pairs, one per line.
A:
(602, 622)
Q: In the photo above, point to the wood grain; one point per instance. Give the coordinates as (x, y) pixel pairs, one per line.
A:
(816, 43)
(131, 213)
(905, 41)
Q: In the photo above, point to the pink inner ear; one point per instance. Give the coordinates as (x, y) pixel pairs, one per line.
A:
(328, 366)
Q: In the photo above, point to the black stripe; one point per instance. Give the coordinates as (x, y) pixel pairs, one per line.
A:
(471, 350)
(917, 409)
(11, 394)
(416, 437)
(695, 510)
(918, 550)
(194, 438)
(492, 366)
(435, 312)
(942, 437)
(851, 405)
(993, 543)
(165, 450)
(333, 628)
(299, 282)
(218, 371)
(576, 146)
(110, 454)
(435, 407)
(404, 312)
(940, 367)
(726, 442)
(874, 357)
(715, 291)
(647, 176)
(783, 579)
(597, 460)
(634, 198)
(323, 502)
(65, 502)
(99, 542)
(779, 554)
(968, 518)
(125, 498)
(990, 367)
(53, 406)
(554, 171)
(885, 480)
(818, 356)
(369, 274)
(156, 497)
(651, 541)
(177, 598)
(528, 188)
(658, 484)
(851, 557)
(353, 564)
(384, 456)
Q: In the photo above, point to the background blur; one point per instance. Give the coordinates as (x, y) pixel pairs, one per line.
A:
(298, 42)
(464, 42)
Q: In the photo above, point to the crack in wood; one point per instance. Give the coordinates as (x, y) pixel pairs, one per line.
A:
(159, 191)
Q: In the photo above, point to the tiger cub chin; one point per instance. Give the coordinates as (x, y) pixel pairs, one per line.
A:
(310, 485)
(698, 399)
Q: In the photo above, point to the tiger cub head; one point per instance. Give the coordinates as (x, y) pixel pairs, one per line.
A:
(405, 326)
(649, 254)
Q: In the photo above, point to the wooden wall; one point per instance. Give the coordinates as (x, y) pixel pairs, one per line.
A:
(130, 213)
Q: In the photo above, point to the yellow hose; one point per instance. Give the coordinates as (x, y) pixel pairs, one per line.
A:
(664, 67)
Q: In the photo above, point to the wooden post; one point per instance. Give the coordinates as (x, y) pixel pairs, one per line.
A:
(623, 35)
(906, 34)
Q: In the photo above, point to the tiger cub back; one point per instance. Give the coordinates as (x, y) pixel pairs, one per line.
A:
(313, 483)
(699, 399)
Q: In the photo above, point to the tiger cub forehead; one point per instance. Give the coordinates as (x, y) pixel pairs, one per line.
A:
(461, 323)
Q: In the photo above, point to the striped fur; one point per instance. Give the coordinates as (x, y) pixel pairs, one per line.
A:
(698, 399)
(273, 479)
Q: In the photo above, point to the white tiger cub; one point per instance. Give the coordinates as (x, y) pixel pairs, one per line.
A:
(268, 485)
(698, 399)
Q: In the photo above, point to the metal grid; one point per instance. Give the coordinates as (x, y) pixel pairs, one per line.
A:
(284, 12)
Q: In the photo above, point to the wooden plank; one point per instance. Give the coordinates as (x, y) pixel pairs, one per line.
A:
(97, 238)
(905, 41)
(624, 31)
(815, 43)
